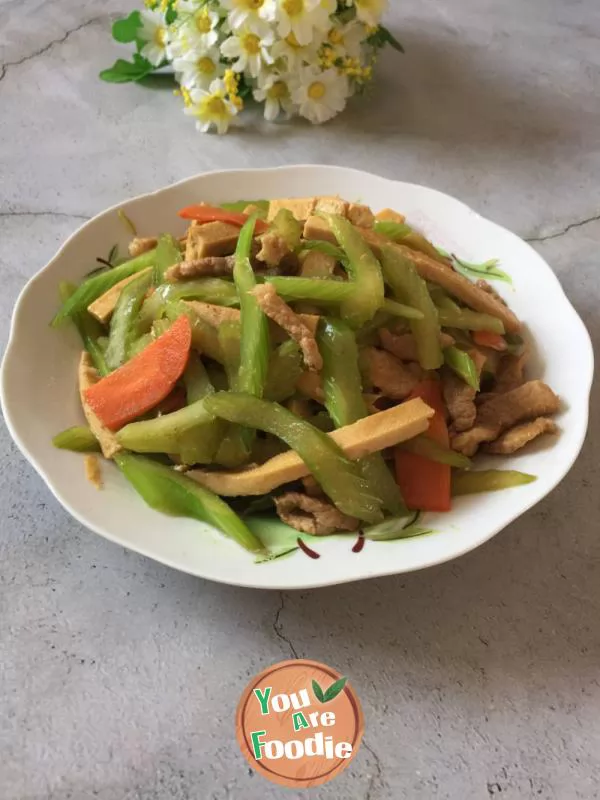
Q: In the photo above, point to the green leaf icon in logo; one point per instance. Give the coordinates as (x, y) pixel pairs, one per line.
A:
(331, 693)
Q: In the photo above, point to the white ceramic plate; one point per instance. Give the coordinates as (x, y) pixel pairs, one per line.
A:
(39, 394)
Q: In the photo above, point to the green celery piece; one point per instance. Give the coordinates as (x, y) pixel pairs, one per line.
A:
(239, 206)
(169, 491)
(192, 433)
(364, 272)
(123, 323)
(168, 253)
(317, 290)
(89, 329)
(488, 480)
(463, 365)
(345, 403)
(229, 335)
(288, 227)
(217, 291)
(196, 380)
(409, 287)
(140, 344)
(468, 320)
(396, 231)
(339, 477)
(325, 247)
(152, 309)
(401, 310)
(91, 289)
(79, 439)
(285, 368)
(205, 337)
(428, 448)
(254, 348)
(235, 448)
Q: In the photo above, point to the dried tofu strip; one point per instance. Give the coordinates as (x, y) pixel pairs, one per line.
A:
(103, 307)
(91, 465)
(368, 435)
(88, 376)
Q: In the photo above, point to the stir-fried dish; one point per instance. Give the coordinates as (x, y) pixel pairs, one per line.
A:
(305, 358)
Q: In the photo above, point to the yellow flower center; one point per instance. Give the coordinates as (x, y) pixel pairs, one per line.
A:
(215, 106)
(293, 42)
(254, 5)
(251, 44)
(335, 36)
(293, 8)
(203, 23)
(278, 90)
(206, 65)
(316, 90)
(160, 36)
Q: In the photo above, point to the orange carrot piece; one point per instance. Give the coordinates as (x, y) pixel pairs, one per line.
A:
(425, 484)
(202, 213)
(488, 339)
(145, 380)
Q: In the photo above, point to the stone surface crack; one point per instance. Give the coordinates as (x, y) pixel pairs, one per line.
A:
(377, 776)
(278, 628)
(4, 67)
(562, 232)
(42, 214)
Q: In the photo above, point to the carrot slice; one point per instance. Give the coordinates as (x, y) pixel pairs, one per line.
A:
(145, 380)
(425, 484)
(488, 339)
(202, 213)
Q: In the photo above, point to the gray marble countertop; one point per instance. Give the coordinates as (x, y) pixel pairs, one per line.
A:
(119, 677)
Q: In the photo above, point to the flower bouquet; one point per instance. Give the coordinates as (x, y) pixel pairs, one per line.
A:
(297, 57)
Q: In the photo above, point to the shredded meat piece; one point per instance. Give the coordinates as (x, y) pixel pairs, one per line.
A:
(310, 385)
(91, 465)
(387, 373)
(460, 401)
(404, 346)
(509, 374)
(210, 266)
(279, 311)
(312, 514)
(274, 249)
(532, 399)
(516, 438)
(139, 245)
(311, 487)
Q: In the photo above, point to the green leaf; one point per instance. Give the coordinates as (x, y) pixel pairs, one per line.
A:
(389, 38)
(125, 30)
(334, 690)
(126, 72)
(171, 15)
(396, 528)
(325, 247)
(318, 692)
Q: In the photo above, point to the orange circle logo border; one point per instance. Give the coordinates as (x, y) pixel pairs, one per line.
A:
(339, 716)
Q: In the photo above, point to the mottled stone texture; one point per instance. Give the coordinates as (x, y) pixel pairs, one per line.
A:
(119, 677)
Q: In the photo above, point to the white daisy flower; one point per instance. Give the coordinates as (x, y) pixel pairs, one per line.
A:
(347, 40)
(294, 53)
(198, 25)
(250, 14)
(196, 68)
(300, 17)
(319, 95)
(370, 11)
(210, 107)
(154, 32)
(248, 50)
(274, 91)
